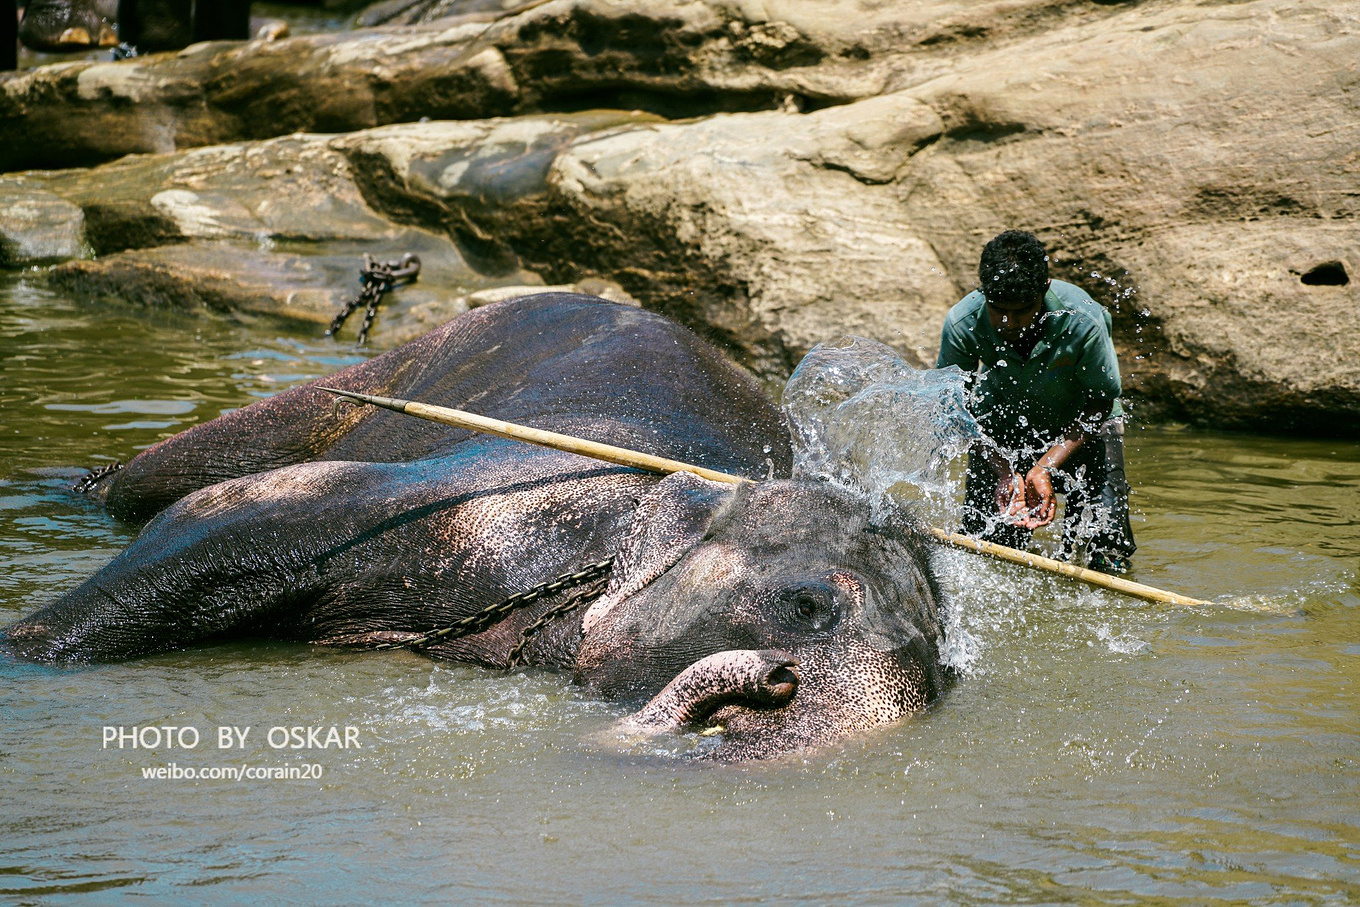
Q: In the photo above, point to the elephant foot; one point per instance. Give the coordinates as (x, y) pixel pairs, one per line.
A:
(68, 39)
(77, 38)
(764, 679)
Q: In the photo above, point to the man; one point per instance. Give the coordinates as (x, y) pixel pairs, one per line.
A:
(1045, 390)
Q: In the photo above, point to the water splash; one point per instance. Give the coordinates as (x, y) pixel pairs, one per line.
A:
(863, 418)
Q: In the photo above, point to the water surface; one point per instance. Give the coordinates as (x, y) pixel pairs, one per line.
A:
(1099, 748)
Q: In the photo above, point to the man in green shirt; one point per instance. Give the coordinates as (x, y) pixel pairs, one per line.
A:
(1045, 390)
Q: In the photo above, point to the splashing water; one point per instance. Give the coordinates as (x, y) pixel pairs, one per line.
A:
(863, 418)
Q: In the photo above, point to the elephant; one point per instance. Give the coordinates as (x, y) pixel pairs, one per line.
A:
(787, 612)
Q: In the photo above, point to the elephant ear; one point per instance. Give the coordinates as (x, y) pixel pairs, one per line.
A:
(670, 520)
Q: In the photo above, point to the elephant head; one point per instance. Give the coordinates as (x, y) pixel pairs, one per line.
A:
(782, 612)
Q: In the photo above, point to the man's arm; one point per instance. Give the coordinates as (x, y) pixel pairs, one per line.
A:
(1038, 504)
(957, 347)
(1099, 367)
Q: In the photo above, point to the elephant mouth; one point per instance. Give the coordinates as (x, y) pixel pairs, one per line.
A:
(746, 679)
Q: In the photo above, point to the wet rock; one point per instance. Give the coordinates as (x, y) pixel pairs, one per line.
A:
(674, 59)
(1187, 165)
(37, 226)
(1190, 197)
(593, 286)
(765, 231)
(829, 167)
(310, 284)
(274, 228)
(280, 228)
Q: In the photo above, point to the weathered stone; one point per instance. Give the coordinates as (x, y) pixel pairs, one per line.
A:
(675, 59)
(1186, 164)
(275, 228)
(281, 227)
(1192, 165)
(1190, 197)
(754, 227)
(37, 226)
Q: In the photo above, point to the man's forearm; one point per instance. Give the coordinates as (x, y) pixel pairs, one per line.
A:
(1076, 435)
(1065, 446)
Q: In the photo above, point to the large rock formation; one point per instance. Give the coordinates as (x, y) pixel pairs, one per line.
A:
(837, 169)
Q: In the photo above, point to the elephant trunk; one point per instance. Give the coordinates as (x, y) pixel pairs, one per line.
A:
(763, 678)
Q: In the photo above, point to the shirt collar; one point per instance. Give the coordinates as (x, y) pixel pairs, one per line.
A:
(1050, 325)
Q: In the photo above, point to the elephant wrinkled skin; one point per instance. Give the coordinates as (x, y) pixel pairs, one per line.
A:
(780, 610)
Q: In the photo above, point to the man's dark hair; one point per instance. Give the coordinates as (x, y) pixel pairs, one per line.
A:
(1014, 269)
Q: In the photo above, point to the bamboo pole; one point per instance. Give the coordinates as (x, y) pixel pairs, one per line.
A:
(593, 449)
(638, 460)
(1039, 562)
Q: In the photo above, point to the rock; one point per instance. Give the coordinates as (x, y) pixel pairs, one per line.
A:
(1187, 165)
(1189, 197)
(280, 227)
(829, 167)
(752, 227)
(594, 286)
(675, 59)
(37, 226)
(269, 29)
(277, 228)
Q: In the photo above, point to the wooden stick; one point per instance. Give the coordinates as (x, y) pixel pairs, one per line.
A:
(1038, 561)
(624, 457)
(593, 449)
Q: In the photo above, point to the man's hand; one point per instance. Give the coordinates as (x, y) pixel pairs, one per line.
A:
(1040, 504)
(1010, 496)
(1026, 501)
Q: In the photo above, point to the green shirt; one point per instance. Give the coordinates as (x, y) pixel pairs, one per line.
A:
(1028, 403)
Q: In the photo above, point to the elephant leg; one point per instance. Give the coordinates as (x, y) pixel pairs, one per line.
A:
(293, 427)
(60, 25)
(9, 35)
(253, 554)
(150, 25)
(129, 24)
(226, 20)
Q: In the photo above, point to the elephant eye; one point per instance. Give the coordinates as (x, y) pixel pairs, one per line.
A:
(811, 606)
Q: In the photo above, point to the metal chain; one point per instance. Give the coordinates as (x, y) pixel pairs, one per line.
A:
(88, 481)
(490, 616)
(375, 279)
(589, 593)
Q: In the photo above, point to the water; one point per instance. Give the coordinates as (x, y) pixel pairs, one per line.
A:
(1099, 749)
(862, 417)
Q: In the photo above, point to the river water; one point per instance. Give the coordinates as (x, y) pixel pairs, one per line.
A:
(1098, 748)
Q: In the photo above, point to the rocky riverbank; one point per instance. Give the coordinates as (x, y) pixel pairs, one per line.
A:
(771, 173)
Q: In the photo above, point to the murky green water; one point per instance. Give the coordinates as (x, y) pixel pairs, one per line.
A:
(1100, 748)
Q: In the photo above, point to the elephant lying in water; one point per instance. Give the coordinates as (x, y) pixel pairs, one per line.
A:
(779, 610)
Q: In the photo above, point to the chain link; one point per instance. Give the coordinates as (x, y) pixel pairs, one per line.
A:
(375, 279)
(591, 592)
(88, 481)
(490, 616)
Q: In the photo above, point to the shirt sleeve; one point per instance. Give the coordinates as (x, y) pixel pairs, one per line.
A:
(956, 347)
(1098, 369)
